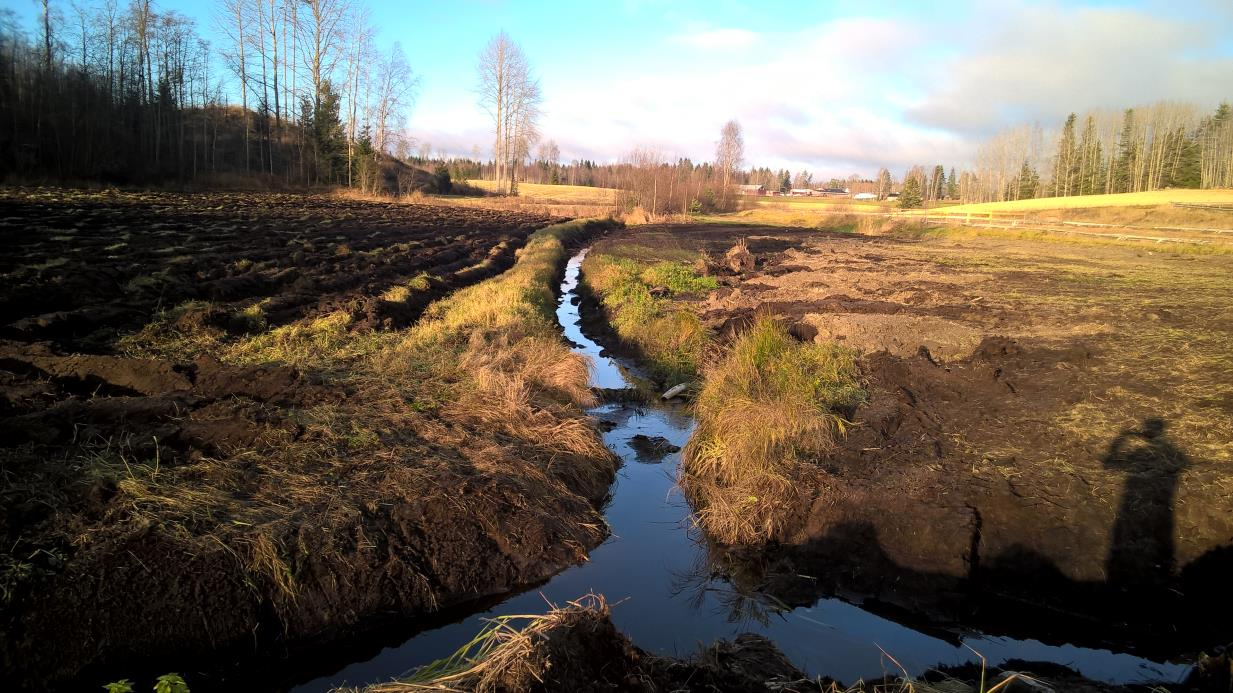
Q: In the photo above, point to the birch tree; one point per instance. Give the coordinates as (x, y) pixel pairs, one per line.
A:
(511, 96)
(729, 152)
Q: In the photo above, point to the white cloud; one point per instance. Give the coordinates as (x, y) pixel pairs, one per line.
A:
(710, 39)
(1041, 63)
(854, 94)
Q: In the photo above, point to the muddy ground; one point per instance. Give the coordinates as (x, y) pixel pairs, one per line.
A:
(1047, 445)
(195, 470)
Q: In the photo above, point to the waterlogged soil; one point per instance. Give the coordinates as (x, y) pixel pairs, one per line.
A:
(1047, 447)
(185, 512)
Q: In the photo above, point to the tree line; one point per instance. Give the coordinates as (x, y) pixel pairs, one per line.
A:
(647, 180)
(1162, 145)
(132, 93)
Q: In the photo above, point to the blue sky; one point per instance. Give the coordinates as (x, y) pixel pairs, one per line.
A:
(834, 87)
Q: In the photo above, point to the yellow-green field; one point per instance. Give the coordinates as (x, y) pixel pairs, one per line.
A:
(1139, 199)
(570, 194)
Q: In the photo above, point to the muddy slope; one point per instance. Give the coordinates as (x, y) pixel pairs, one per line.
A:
(187, 512)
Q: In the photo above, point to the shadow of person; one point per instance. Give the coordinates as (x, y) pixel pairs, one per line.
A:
(1141, 552)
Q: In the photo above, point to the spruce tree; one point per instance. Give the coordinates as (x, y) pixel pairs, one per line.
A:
(952, 186)
(1123, 165)
(1029, 182)
(939, 182)
(1091, 162)
(909, 197)
(1065, 168)
(1185, 171)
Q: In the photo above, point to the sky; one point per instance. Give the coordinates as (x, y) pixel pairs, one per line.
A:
(832, 87)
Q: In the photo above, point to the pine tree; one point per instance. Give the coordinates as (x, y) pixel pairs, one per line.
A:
(939, 182)
(952, 186)
(909, 197)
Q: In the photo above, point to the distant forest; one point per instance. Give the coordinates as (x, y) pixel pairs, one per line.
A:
(129, 94)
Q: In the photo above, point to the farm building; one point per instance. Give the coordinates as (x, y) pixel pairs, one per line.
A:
(801, 192)
(751, 189)
(864, 196)
(832, 192)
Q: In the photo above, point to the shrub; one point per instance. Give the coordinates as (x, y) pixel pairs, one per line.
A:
(441, 180)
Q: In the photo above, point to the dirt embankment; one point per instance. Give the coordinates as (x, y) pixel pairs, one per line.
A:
(1046, 426)
(189, 492)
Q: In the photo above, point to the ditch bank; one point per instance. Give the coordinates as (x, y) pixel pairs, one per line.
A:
(949, 495)
(192, 516)
(671, 589)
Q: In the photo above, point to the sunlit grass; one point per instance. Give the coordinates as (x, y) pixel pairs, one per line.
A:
(639, 300)
(570, 194)
(1153, 197)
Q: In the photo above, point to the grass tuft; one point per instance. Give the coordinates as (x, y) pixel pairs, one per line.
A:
(765, 410)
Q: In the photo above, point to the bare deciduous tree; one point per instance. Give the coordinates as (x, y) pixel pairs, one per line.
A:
(395, 92)
(730, 152)
(511, 96)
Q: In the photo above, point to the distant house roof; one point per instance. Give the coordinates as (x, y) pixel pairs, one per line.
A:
(833, 191)
(751, 187)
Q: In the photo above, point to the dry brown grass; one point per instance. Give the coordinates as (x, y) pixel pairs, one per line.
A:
(573, 646)
(556, 194)
(513, 652)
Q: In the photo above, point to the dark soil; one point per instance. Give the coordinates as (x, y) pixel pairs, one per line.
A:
(81, 268)
(186, 514)
(1039, 454)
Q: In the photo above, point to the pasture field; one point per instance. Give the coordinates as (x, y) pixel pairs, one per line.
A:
(562, 194)
(1152, 198)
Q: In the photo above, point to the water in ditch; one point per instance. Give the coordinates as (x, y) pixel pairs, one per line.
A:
(654, 570)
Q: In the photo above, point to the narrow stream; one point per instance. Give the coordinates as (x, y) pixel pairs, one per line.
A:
(653, 569)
